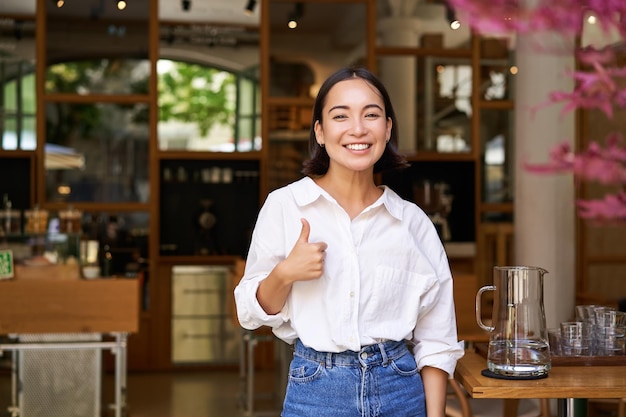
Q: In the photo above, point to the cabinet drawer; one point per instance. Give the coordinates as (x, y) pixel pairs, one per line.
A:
(196, 302)
(204, 340)
(199, 291)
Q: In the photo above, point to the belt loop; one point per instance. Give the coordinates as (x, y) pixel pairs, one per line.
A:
(329, 360)
(383, 352)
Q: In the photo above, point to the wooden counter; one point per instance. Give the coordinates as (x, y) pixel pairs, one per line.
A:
(562, 381)
(54, 299)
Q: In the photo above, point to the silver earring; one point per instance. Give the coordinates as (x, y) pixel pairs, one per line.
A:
(321, 145)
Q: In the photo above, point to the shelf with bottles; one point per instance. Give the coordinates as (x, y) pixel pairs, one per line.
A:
(35, 240)
(445, 191)
(42, 249)
(207, 207)
(38, 221)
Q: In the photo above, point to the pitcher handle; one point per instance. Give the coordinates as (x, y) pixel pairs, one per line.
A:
(479, 319)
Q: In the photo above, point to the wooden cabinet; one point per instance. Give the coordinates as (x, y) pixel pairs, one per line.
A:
(67, 304)
(203, 328)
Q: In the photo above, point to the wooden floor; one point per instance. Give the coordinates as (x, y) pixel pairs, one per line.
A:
(207, 394)
(176, 394)
(191, 394)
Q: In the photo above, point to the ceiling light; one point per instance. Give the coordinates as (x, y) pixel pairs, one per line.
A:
(60, 3)
(186, 5)
(249, 9)
(451, 17)
(295, 15)
(121, 5)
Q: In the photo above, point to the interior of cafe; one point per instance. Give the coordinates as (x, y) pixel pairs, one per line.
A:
(139, 138)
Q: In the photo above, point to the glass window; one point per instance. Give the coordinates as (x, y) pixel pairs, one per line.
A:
(97, 152)
(497, 69)
(248, 136)
(497, 153)
(17, 105)
(439, 118)
(453, 108)
(203, 108)
(99, 76)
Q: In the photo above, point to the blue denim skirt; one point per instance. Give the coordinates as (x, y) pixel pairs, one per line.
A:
(380, 380)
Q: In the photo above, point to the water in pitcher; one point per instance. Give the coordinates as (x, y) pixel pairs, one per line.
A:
(518, 341)
(519, 357)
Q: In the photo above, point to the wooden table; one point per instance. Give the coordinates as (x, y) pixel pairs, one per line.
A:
(564, 383)
(55, 300)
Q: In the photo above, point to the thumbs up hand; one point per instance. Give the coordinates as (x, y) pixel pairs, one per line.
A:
(306, 259)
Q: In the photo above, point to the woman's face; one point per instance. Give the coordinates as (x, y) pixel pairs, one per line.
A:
(355, 129)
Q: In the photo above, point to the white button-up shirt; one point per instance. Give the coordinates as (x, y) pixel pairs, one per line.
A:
(386, 276)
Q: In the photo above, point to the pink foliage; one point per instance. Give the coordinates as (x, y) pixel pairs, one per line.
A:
(603, 165)
(612, 207)
(564, 16)
(597, 86)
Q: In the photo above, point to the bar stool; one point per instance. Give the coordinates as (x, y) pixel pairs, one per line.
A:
(250, 342)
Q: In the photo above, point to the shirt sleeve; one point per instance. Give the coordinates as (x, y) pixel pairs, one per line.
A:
(435, 334)
(266, 251)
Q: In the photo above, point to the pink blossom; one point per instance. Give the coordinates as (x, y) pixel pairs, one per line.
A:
(564, 16)
(598, 85)
(603, 165)
(595, 89)
(612, 207)
(590, 55)
(561, 160)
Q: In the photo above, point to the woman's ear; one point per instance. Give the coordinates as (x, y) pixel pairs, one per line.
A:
(319, 133)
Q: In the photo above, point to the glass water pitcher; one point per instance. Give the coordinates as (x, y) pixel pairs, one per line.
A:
(518, 342)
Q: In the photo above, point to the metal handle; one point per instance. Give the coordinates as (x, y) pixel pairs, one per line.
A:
(479, 319)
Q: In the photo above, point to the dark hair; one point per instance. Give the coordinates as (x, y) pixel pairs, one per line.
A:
(319, 160)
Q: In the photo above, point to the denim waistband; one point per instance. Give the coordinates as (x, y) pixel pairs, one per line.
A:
(377, 354)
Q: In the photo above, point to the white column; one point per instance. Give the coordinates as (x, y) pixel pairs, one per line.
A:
(399, 75)
(544, 204)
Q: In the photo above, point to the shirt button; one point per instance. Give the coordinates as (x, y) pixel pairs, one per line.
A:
(363, 355)
(351, 293)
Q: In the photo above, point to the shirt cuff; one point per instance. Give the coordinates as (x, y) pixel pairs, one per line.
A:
(446, 361)
(253, 315)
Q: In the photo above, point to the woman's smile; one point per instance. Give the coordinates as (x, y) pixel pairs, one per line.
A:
(358, 146)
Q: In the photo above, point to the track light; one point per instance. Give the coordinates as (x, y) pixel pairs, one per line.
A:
(186, 5)
(295, 15)
(121, 5)
(249, 9)
(451, 17)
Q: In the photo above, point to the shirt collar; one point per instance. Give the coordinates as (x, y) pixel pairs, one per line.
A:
(307, 191)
